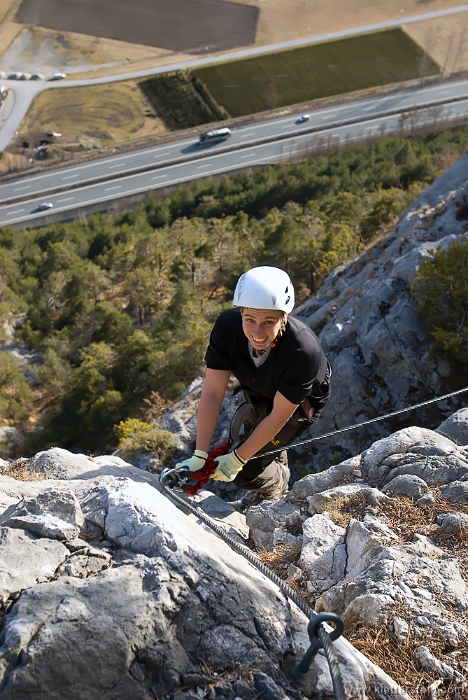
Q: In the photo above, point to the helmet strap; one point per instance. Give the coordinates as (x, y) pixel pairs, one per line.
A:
(280, 332)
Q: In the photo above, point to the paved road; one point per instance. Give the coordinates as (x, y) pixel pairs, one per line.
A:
(329, 127)
(114, 167)
(25, 92)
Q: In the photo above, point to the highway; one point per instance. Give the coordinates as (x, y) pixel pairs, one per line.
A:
(271, 141)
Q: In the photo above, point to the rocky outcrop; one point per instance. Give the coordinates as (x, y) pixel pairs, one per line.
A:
(109, 591)
(137, 599)
(384, 541)
(367, 324)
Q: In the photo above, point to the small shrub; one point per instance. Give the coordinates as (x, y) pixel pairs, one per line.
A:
(441, 292)
(137, 436)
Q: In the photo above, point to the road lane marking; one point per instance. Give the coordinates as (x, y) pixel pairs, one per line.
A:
(248, 133)
(18, 211)
(24, 187)
(68, 177)
(249, 155)
(117, 165)
(116, 187)
(156, 177)
(67, 199)
(206, 165)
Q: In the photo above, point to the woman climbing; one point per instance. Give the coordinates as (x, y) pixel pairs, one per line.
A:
(282, 372)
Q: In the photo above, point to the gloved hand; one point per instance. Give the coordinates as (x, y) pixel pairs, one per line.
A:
(228, 466)
(194, 463)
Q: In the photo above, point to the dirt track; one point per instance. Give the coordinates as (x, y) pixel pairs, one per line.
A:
(190, 26)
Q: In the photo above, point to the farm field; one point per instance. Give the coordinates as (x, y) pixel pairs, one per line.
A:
(194, 26)
(84, 55)
(317, 71)
(102, 115)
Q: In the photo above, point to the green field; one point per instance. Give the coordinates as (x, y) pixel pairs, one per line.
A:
(312, 72)
(182, 100)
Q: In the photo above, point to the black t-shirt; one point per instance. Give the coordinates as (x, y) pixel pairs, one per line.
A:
(296, 366)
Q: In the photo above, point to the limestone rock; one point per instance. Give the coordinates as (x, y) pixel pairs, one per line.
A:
(274, 523)
(453, 523)
(367, 323)
(456, 427)
(320, 502)
(406, 485)
(26, 560)
(456, 492)
(55, 513)
(323, 553)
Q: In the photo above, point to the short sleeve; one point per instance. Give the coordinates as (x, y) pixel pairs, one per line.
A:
(220, 351)
(297, 379)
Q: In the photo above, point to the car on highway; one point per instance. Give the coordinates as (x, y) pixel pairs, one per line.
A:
(215, 136)
(303, 118)
(45, 205)
(59, 76)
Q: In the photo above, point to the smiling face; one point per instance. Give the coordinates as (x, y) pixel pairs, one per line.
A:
(261, 326)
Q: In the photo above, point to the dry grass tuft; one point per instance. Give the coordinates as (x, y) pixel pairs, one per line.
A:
(20, 470)
(406, 518)
(347, 507)
(279, 560)
(397, 658)
(394, 656)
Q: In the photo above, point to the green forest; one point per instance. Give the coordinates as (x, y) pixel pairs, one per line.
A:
(119, 307)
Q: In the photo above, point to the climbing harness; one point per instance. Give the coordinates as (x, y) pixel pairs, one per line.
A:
(175, 479)
(184, 480)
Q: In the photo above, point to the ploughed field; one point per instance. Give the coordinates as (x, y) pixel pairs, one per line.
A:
(187, 26)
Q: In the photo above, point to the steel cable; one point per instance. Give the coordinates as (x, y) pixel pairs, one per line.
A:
(367, 422)
(322, 633)
(330, 653)
(327, 645)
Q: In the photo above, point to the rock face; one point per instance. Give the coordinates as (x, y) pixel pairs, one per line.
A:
(367, 324)
(109, 591)
(379, 552)
(99, 569)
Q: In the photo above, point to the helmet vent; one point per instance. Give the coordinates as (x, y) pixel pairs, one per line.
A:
(240, 286)
(274, 298)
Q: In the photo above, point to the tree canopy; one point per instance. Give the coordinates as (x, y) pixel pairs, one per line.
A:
(120, 306)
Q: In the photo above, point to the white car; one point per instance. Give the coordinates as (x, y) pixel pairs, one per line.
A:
(303, 118)
(59, 76)
(45, 205)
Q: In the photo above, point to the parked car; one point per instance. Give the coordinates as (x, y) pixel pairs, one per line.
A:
(303, 118)
(59, 76)
(45, 205)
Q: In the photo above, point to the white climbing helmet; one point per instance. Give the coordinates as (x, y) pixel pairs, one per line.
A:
(265, 288)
